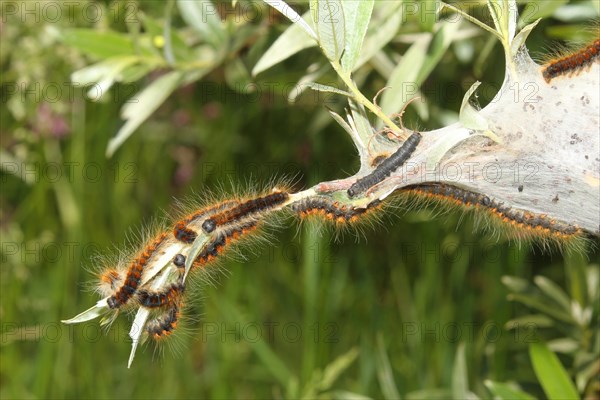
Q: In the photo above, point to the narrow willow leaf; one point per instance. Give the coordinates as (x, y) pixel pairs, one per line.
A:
(328, 17)
(357, 15)
(329, 89)
(293, 16)
(98, 44)
(504, 391)
(543, 306)
(553, 291)
(532, 321)
(380, 34)
(333, 371)
(203, 16)
(514, 283)
(301, 85)
(103, 74)
(473, 20)
(341, 121)
(469, 117)
(290, 42)
(404, 77)
(504, 15)
(522, 36)
(550, 372)
(142, 105)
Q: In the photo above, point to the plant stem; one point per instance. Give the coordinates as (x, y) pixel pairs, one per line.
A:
(359, 97)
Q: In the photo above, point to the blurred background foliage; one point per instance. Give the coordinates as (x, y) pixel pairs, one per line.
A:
(419, 308)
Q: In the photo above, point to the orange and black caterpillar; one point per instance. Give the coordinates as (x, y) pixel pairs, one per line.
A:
(134, 274)
(535, 223)
(217, 245)
(152, 299)
(244, 209)
(187, 235)
(386, 167)
(330, 209)
(572, 63)
(166, 323)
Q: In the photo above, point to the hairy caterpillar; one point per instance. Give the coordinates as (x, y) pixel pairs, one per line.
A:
(166, 323)
(386, 167)
(245, 209)
(134, 274)
(216, 246)
(521, 224)
(182, 232)
(573, 63)
(152, 299)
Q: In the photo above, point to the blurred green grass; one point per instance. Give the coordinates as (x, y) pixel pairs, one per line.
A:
(412, 291)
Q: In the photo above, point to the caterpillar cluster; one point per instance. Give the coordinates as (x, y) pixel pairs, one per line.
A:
(572, 63)
(225, 223)
(217, 227)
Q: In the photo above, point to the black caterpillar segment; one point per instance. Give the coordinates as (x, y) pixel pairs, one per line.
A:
(165, 324)
(330, 209)
(217, 245)
(158, 299)
(522, 219)
(183, 233)
(247, 208)
(386, 167)
(134, 274)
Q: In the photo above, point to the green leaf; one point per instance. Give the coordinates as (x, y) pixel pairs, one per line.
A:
(333, 371)
(504, 391)
(328, 17)
(381, 33)
(504, 15)
(552, 376)
(404, 76)
(469, 117)
(98, 44)
(544, 307)
(142, 105)
(357, 15)
(532, 321)
(103, 74)
(203, 16)
(514, 283)
(537, 9)
(329, 89)
(385, 375)
(287, 44)
(460, 379)
(553, 291)
(293, 16)
(522, 36)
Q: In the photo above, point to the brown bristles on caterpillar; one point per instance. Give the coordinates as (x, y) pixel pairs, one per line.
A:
(246, 209)
(110, 281)
(152, 299)
(329, 209)
(166, 323)
(217, 245)
(134, 274)
(182, 232)
(573, 63)
(521, 225)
